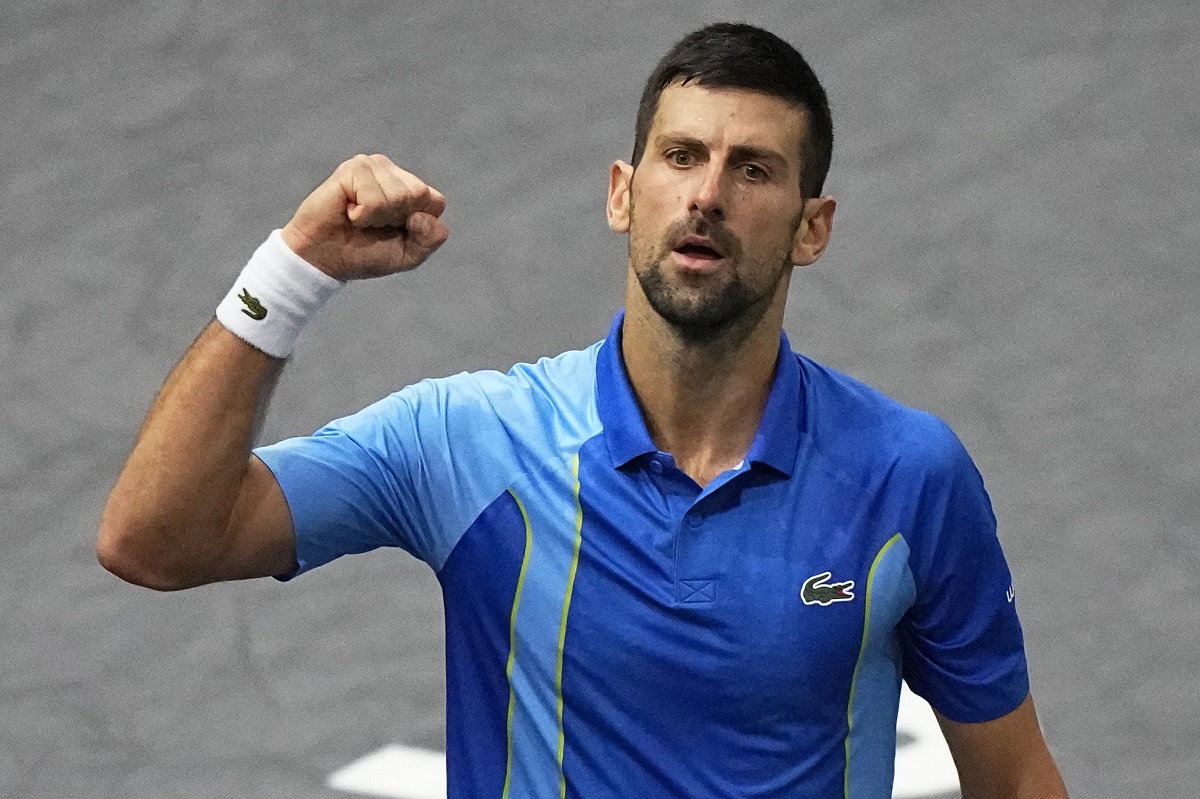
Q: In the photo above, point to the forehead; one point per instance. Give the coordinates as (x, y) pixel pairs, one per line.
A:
(727, 117)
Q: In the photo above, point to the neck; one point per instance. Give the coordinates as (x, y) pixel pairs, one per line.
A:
(702, 402)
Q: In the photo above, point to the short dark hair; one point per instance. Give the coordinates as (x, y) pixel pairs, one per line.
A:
(739, 56)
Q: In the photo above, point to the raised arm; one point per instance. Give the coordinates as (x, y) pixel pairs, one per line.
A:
(192, 505)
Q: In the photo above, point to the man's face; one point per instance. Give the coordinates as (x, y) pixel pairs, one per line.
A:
(713, 210)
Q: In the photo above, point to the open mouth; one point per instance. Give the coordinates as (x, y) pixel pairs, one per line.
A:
(698, 251)
(699, 248)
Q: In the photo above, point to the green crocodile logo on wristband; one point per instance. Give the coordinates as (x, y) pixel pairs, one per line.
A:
(254, 309)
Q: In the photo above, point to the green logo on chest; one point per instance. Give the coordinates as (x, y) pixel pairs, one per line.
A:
(817, 591)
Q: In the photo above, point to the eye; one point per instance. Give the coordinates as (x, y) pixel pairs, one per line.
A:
(680, 158)
(755, 173)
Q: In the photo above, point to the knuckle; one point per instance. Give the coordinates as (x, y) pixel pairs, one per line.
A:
(352, 165)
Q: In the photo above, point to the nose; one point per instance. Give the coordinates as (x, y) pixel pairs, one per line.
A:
(708, 192)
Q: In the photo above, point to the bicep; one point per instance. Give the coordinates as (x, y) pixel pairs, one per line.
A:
(262, 542)
(1005, 758)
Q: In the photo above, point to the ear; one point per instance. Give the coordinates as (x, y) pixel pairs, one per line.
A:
(620, 182)
(816, 225)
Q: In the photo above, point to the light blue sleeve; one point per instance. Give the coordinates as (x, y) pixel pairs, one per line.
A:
(415, 469)
(412, 471)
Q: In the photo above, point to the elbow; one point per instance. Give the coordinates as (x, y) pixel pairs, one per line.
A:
(131, 571)
(118, 550)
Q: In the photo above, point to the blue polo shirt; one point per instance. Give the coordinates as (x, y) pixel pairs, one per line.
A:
(614, 629)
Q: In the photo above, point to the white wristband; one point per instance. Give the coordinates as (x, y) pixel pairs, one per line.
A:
(274, 296)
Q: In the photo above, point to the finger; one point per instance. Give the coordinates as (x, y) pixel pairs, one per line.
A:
(364, 196)
(405, 188)
(397, 185)
(427, 232)
(436, 204)
(410, 193)
(422, 198)
(404, 191)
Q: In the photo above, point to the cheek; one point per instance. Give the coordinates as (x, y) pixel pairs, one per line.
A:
(653, 199)
(643, 244)
(645, 225)
(767, 232)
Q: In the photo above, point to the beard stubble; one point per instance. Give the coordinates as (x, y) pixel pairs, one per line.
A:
(729, 308)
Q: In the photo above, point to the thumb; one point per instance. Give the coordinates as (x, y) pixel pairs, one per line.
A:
(428, 231)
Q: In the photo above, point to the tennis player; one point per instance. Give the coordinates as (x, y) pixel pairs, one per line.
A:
(686, 561)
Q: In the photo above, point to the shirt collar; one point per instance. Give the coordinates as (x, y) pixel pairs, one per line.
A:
(625, 432)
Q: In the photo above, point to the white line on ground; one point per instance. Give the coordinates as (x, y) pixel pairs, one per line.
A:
(395, 772)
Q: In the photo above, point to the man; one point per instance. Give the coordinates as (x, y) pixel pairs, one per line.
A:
(684, 562)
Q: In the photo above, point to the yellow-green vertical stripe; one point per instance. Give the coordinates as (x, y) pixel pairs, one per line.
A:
(862, 650)
(562, 630)
(512, 638)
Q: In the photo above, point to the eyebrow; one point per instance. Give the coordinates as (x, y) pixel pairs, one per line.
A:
(738, 151)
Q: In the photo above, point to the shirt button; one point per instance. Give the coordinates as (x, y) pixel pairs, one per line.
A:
(656, 466)
(693, 520)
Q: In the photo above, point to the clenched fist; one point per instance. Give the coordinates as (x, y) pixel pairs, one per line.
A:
(369, 218)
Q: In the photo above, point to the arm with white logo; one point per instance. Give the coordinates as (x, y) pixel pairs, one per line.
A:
(963, 645)
(192, 505)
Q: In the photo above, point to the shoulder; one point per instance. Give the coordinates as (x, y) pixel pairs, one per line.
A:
(475, 403)
(564, 380)
(855, 423)
(909, 462)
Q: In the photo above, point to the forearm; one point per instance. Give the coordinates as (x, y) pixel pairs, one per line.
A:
(166, 523)
(191, 505)
(1045, 785)
(1006, 758)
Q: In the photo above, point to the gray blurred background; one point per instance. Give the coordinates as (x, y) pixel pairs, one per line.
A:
(1015, 250)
